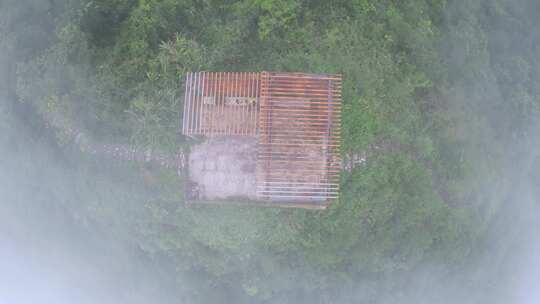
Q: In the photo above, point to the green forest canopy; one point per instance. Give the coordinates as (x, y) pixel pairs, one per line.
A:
(436, 93)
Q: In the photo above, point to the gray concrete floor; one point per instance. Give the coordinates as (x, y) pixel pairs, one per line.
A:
(224, 167)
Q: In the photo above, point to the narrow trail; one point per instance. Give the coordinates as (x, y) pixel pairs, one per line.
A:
(126, 152)
(130, 153)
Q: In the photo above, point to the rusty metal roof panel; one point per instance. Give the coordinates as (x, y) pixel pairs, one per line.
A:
(221, 103)
(299, 121)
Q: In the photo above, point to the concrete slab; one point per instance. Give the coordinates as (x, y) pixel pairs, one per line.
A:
(223, 167)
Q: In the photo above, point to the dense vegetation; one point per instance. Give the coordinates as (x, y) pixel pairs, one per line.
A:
(436, 93)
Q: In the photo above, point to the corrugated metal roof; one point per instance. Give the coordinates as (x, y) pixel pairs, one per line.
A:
(221, 103)
(298, 157)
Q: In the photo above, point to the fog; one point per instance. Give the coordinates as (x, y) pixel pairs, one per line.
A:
(46, 255)
(51, 253)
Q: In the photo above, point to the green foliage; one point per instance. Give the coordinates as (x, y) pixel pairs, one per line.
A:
(277, 16)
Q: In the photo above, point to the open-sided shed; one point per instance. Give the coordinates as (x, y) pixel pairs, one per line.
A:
(290, 121)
